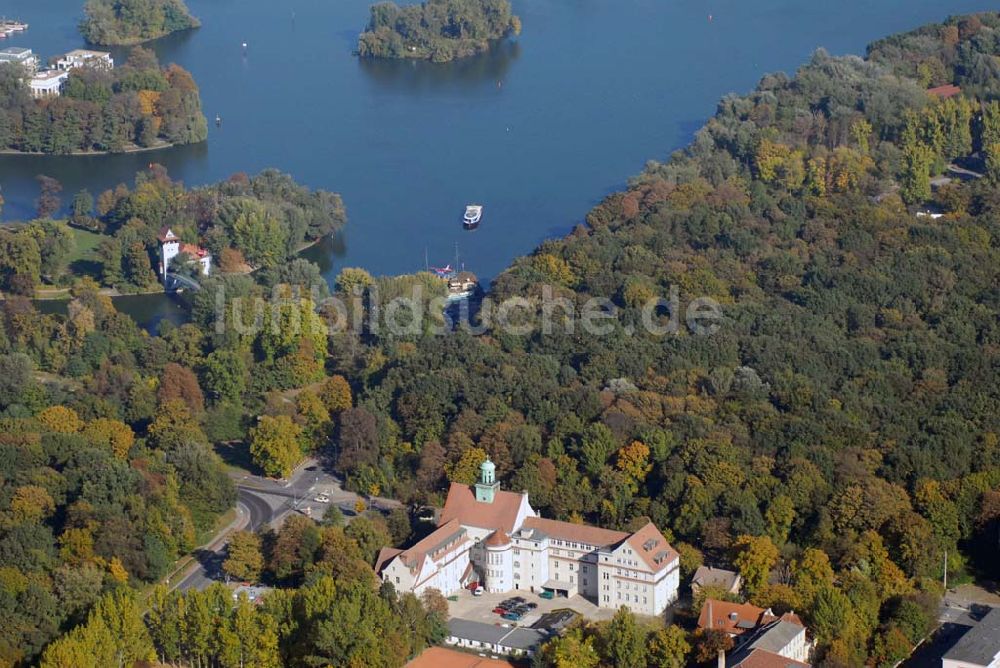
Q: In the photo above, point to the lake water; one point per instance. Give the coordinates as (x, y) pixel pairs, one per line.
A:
(539, 130)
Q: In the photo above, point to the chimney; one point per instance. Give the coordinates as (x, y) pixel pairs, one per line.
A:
(722, 659)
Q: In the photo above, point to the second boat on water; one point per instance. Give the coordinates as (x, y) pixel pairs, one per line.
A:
(473, 214)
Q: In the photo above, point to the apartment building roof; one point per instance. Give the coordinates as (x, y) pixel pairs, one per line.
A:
(575, 533)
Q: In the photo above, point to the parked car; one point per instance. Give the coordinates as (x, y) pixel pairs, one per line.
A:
(322, 498)
(531, 606)
(512, 616)
(518, 599)
(547, 595)
(478, 591)
(500, 611)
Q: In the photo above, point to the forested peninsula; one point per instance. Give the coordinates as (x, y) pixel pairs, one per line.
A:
(245, 223)
(138, 105)
(831, 441)
(437, 30)
(127, 22)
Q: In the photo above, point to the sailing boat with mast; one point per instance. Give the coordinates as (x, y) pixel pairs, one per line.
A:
(462, 284)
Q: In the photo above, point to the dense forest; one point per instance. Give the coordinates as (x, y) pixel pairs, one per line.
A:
(138, 104)
(438, 30)
(831, 441)
(124, 22)
(246, 223)
(839, 433)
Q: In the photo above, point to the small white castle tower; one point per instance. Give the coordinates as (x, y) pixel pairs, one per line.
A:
(170, 246)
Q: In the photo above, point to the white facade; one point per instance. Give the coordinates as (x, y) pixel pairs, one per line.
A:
(101, 60)
(20, 56)
(171, 247)
(507, 547)
(47, 84)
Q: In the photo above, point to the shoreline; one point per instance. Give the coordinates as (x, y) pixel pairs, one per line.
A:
(84, 154)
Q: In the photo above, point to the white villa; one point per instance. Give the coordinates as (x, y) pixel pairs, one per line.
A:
(171, 246)
(494, 537)
(101, 60)
(21, 56)
(47, 83)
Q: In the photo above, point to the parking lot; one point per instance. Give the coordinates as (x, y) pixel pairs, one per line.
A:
(480, 608)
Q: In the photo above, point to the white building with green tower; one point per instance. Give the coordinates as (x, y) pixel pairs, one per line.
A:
(493, 537)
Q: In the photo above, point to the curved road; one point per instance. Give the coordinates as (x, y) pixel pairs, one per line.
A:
(258, 509)
(259, 513)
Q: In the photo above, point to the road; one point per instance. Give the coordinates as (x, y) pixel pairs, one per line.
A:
(961, 609)
(262, 502)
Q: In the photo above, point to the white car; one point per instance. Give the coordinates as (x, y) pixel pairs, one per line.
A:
(322, 498)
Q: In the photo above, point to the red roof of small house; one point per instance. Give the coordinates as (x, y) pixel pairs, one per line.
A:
(733, 618)
(760, 658)
(944, 92)
(193, 251)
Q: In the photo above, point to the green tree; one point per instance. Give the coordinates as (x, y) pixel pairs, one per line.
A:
(669, 647)
(625, 641)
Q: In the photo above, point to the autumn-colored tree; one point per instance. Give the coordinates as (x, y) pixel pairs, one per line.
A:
(313, 417)
(179, 382)
(466, 469)
(231, 261)
(48, 201)
(633, 461)
(244, 560)
(554, 270)
(709, 642)
(336, 394)
(112, 435)
(60, 419)
(811, 573)
(31, 503)
(435, 603)
(754, 557)
(173, 427)
(275, 445)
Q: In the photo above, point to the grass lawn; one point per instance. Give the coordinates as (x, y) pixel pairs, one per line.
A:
(84, 259)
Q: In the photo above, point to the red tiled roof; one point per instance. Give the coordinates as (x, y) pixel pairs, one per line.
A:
(461, 505)
(385, 555)
(944, 92)
(733, 618)
(498, 539)
(166, 234)
(193, 251)
(791, 617)
(654, 549)
(760, 658)
(442, 657)
(576, 533)
(445, 535)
